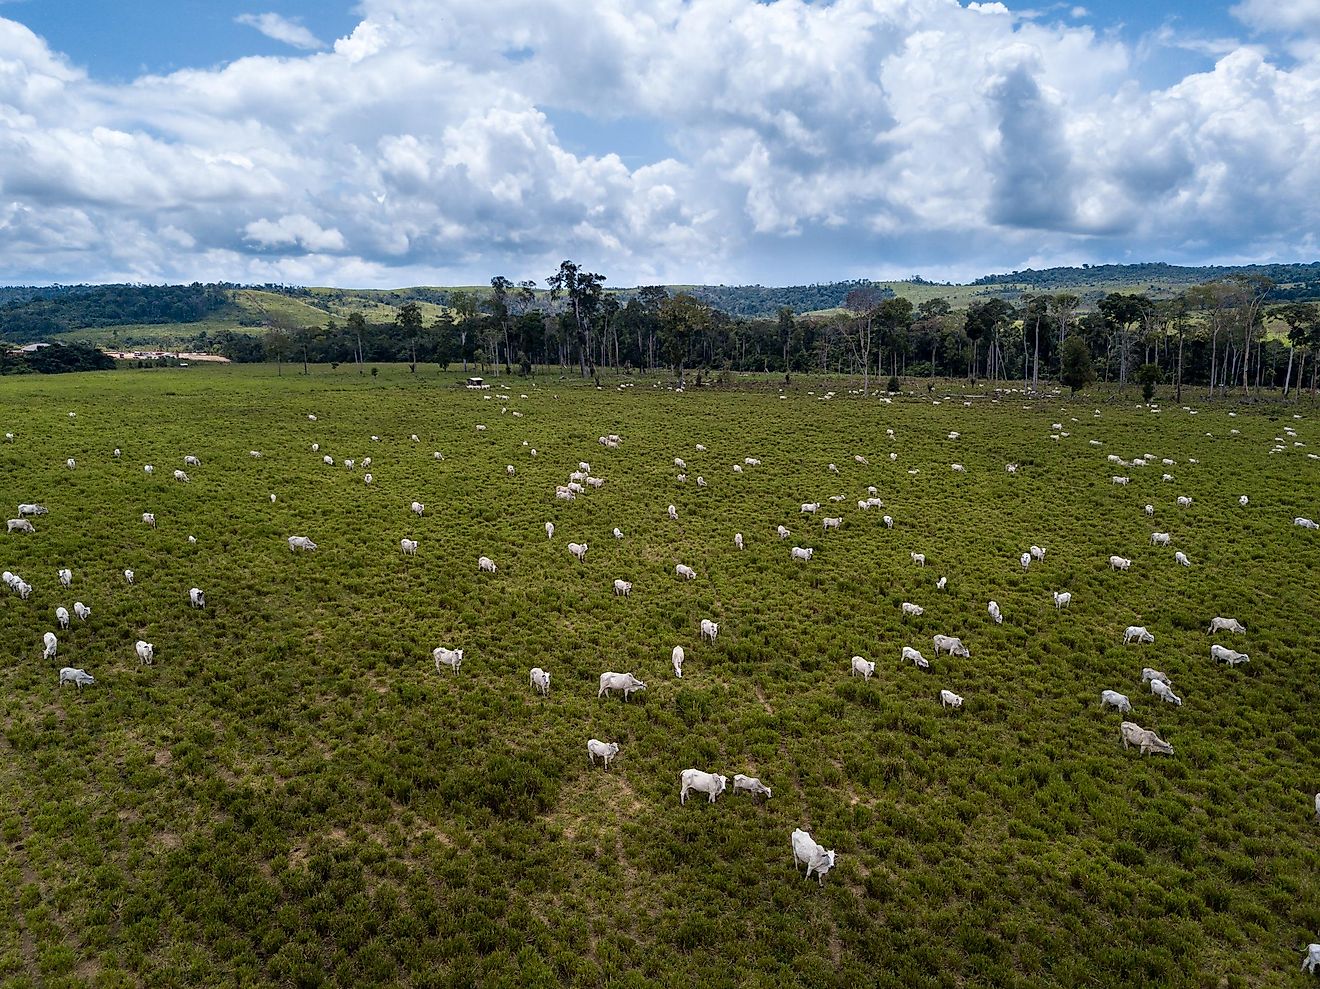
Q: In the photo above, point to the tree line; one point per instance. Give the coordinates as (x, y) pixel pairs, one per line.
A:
(1213, 335)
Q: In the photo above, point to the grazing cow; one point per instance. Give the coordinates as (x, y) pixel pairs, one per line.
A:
(680, 463)
(995, 613)
(676, 657)
(453, 658)
(626, 682)
(316, 447)
(751, 784)
(1225, 655)
(508, 469)
(915, 658)
(798, 553)
(701, 481)
(709, 629)
(1243, 501)
(599, 482)
(196, 598)
(623, 587)
(686, 572)
(28, 509)
(751, 461)
(1312, 960)
(908, 608)
(783, 532)
(1226, 624)
(617, 533)
(958, 468)
(1184, 501)
(52, 645)
(1120, 480)
(79, 677)
(549, 530)
(408, 546)
(148, 469)
(861, 666)
(1145, 739)
(682, 479)
(1306, 523)
(146, 652)
(948, 643)
(541, 681)
(1119, 563)
(1164, 692)
(833, 468)
(418, 509)
(301, 542)
(710, 784)
(942, 583)
(367, 478)
(191, 461)
(1160, 538)
(1148, 674)
(1166, 477)
(62, 616)
(738, 539)
(833, 523)
(673, 513)
(128, 576)
(328, 460)
(564, 493)
(485, 564)
(1150, 510)
(1137, 633)
(605, 750)
(1180, 558)
(579, 550)
(1037, 552)
(71, 463)
(181, 476)
(809, 508)
(149, 518)
(737, 468)
(1112, 698)
(888, 520)
(949, 699)
(82, 611)
(816, 858)
(918, 558)
(1062, 599)
(20, 525)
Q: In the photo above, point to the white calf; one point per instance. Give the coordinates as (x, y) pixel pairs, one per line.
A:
(149, 518)
(82, 611)
(408, 546)
(1025, 560)
(918, 558)
(146, 652)
(1112, 698)
(751, 784)
(1150, 510)
(1180, 558)
(1062, 599)
(686, 572)
(888, 520)
(1148, 674)
(549, 530)
(541, 681)
(128, 576)
(710, 784)
(604, 750)
(738, 539)
(909, 608)
(1137, 633)
(1226, 624)
(196, 598)
(783, 532)
(861, 666)
(949, 699)
(942, 583)
(617, 533)
(673, 513)
(1037, 552)
(148, 469)
(485, 564)
(418, 508)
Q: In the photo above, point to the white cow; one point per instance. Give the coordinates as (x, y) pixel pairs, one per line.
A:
(1150, 510)
(1230, 656)
(148, 469)
(1243, 500)
(604, 750)
(680, 463)
(859, 665)
(579, 550)
(1062, 599)
(783, 532)
(1180, 558)
(1164, 692)
(196, 598)
(918, 558)
(686, 572)
(833, 523)
(809, 508)
(1120, 480)
(1306, 523)
(1312, 960)
(328, 460)
(676, 657)
(1119, 563)
(62, 616)
(52, 645)
(1160, 538)
(948, 643)
(301, 542)
(751, 784)
(738, 539)
(617, 533)
(888, 520)
(485, 564)
(949, 699)
(1226, 624)
(71, 463)
(66, 577)
(915, 658)
(1025, 561)
(1148, 674)
(79, 677)
(623, 587)
(29, 509)
(816, 858)
(701, 481)
(541, 681)
(82, 611)
(1112, 698)
(367, 478)
(995, 613)
(1184, 501)
(958, 468)
(908, 608)
(798, 553)
(710, 784)
(549, 530)
(191, 461)
(673, 513)
(20, 525)
(1137, 633)
(408, 546)
(709, 629)
(182, 476)
(128, 576)
(1037, 552)
(626, 682)
(418, 508)
(146, 652)
(453, 658)
(1145, 739)
(149, 518)
(942, 583)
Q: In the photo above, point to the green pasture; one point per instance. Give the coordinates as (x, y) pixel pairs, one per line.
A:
(291, 795)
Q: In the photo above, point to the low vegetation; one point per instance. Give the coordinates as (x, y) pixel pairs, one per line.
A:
(291, 794)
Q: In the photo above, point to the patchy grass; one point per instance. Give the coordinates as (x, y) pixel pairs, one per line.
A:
(291, 793)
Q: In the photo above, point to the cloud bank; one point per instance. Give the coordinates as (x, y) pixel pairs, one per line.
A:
(802, 141)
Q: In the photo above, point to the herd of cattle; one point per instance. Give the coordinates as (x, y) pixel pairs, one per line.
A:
(806, 852)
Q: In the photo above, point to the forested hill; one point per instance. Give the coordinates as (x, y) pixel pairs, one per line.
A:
(1294, 281)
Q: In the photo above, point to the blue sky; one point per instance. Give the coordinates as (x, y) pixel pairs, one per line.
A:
(392, 142)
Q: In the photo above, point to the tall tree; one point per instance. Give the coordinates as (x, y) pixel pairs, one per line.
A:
(982, 321)
(1252, 290)
(1078, 371)
(682, 318)
(583, 291)
(410, 320)
(357, 325)
(1063, 306)
(500, 307)
(279, 345)
(464, 306)
(894, 317)
(1124, 312)
(1035, 315)
(1302, 319)
(787, 329)
(863, 304)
